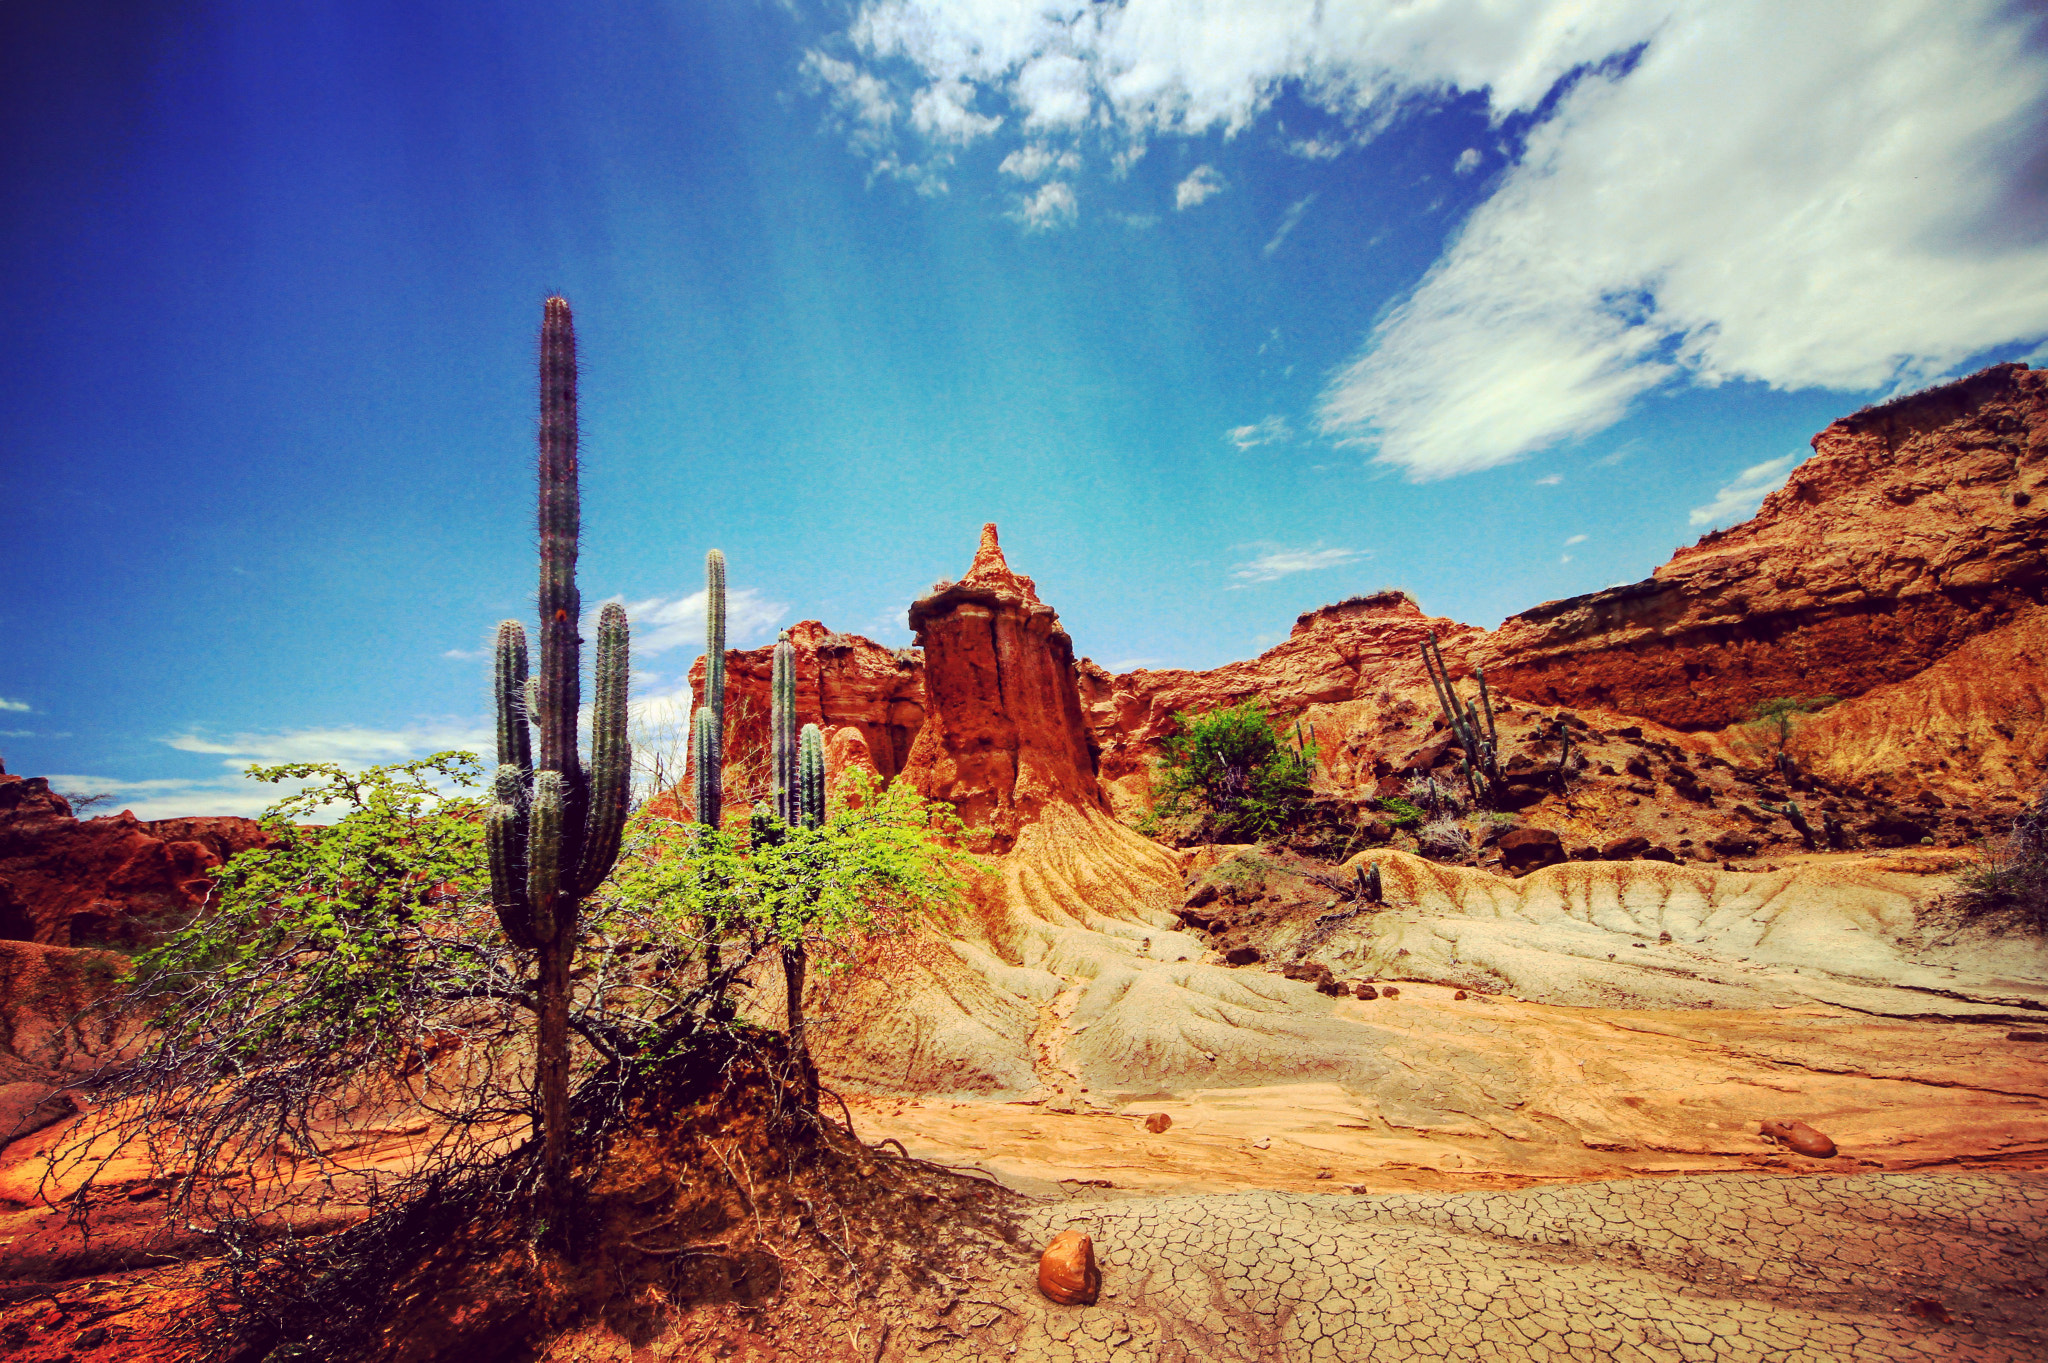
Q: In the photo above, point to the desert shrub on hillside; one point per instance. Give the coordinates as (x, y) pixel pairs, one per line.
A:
(1771, 724)
(2012, 879)
(1235, 772)
(358, 970)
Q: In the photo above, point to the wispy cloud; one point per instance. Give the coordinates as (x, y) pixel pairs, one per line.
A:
(1739, 500)
(18, 706)
(1203, 183)
(1467, 162)
(1575, 539)
(1278, 563)
(1052, 207)
(1287, 223)
(1550, 480)
(465, 655)
(1036, 161)
(1315, 148)
(1268, 431)
(1122, 665)
(661, 623)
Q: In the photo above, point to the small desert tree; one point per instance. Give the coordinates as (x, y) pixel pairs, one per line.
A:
(1233, 765)
(1772, 722)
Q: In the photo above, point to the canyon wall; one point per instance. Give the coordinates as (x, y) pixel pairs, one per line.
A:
(66, 881)
(1916, 526)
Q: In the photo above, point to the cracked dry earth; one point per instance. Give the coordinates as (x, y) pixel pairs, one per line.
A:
(1743, 1267)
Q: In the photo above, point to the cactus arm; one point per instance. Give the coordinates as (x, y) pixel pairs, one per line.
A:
(545, 827)
(515, 737)
(705, 759)
(505, 843)
(611, 756)
(1486, 698)
(810, 780)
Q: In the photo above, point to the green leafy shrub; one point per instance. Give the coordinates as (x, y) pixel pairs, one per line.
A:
(1400, 812)
(1232, 770)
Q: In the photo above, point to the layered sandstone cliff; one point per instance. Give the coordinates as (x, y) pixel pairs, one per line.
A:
(843, 681)
(1915, 527)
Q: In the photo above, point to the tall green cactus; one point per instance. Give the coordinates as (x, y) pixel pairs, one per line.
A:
(782, 730)
(810, 778)
(707, 736)
(553, 834)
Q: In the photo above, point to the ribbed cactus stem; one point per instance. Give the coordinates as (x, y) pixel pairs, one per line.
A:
(505, 842)
(611, 756)
(714, 632)
(705, 742)
(782, 729)
(515, 736)
(810, 777)
(544, 852)
(561, 608)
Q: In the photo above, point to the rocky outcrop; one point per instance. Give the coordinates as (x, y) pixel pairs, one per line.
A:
(1342, 670)
(115, 881)
(1003, 735)
(842, 681)
(1916, 526)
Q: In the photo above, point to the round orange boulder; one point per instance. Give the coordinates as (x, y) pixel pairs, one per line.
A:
(1066, 1271)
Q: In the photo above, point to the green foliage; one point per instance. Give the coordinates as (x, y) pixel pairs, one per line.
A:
(877, 860)
(1400, 812)
(324, 940)
(1234, 767)
(1772, 721)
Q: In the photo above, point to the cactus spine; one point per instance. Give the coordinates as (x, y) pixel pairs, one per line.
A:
(782, 730)
(707, 757)
(553, 834)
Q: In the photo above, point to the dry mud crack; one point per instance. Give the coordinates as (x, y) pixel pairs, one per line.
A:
(1743, 1267)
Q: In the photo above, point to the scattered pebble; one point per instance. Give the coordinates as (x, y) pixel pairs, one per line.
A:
(1158, 1122)
(1067, 1272)
(1799, 1138)
(1459, 995)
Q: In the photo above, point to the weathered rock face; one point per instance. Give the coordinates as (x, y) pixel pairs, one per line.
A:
(1003, 735)
(1915, 527)
(115, 880)
(842, 681)
(1342, 669)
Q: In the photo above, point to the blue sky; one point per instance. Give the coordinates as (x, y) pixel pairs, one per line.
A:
(1221, 312)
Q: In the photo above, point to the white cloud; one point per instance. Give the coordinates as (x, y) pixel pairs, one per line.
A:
(1287, 223)
(1054, 92)
(465, 655)
(1053, 206)
(1137, 222)
(1739, 500)
(1564, 558)
(1122, 665)
(1315, 149)
(18, 706)
(660, 623)
(1575, 539)
(1278, 563)
(1803, 196)
(1467, 162)
(1270, 431)
(1203, 183)
(1036, 161)
(942, 112)
(1550, 480)
(857, 95)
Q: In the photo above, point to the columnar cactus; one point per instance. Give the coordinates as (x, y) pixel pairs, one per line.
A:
(552, 834)
(1481, 747)
(810, 778)
(782, 730)
(707, 737)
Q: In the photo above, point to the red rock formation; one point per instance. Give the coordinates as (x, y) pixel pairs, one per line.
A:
(1003, 735)
(1916, 526)
(114, 880)
(842, 680)
(1335, 655)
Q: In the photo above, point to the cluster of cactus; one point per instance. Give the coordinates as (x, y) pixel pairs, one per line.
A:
(553, 828)
(797, 761)
(1481, 762)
